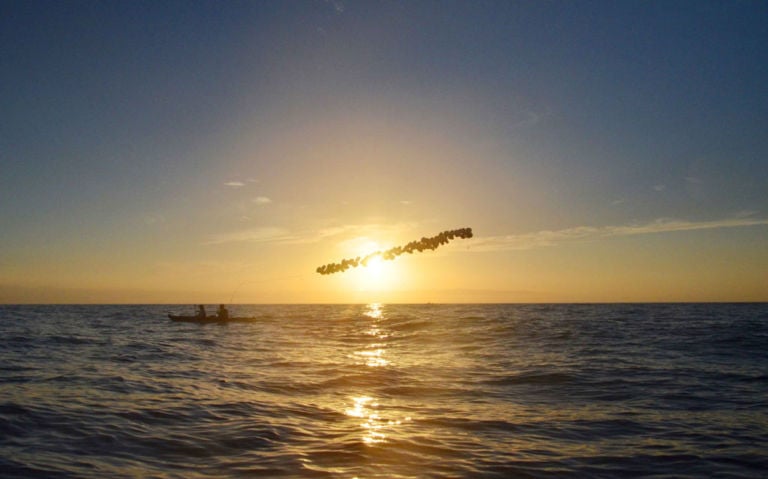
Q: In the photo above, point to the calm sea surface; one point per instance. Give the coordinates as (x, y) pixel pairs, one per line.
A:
(386, 391)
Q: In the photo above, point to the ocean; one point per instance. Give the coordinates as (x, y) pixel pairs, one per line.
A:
(386, 391)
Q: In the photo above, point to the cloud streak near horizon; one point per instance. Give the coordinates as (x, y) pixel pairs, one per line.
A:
(523, 241)
(253, 235)
(546, 238)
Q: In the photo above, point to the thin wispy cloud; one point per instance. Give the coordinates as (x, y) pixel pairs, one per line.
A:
(262, 200)
(368, 229)
(278, 235)
(530, 118)
(349, 231)
(275, 235)
(338, 5)
(234, 184)
(251, 235)
(540, 239)
(203, 269)
(524, 241)
(153, 218)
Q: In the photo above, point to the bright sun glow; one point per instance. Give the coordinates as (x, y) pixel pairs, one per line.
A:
(378, 274)
(375, 267)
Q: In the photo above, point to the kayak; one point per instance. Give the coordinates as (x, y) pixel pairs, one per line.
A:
(209, 319)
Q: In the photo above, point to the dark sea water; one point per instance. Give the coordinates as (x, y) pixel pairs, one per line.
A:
(386, 391)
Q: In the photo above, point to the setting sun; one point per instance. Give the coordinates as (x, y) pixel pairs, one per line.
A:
(377, 274)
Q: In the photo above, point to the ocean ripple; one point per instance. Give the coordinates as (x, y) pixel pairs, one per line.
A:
(386, 391)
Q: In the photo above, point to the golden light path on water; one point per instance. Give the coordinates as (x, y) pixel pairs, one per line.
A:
(365, 407)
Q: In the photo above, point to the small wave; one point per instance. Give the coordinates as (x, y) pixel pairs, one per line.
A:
(12, 468)
(410, 325)
(760, 378)
(530, 378)
(404, 391)
(13, 409)
(57, 341)
(474, 424)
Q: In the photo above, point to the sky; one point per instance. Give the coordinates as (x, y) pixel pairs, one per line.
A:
(219, 152)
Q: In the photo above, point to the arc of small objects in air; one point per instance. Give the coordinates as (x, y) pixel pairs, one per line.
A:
(423, 244)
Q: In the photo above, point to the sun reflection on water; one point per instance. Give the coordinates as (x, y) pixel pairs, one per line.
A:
(373, 354)
(366, 407)
(374, 426)
(373, 358)
(374, 311)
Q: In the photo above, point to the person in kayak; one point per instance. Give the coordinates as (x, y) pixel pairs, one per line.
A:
(223, 313)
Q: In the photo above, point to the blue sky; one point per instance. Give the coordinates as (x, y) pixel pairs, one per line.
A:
(144, 143)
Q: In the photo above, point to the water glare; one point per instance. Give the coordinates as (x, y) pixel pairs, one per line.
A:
(374, 311)
(375, 429)
(385, 391)
(373, 354)
(365, 408)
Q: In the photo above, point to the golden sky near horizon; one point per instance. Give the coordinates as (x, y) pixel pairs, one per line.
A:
(227, 154)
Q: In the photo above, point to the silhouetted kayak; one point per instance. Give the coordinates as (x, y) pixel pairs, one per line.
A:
(209, 319)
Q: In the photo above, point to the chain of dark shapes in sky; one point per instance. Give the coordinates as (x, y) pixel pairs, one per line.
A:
(390, 254)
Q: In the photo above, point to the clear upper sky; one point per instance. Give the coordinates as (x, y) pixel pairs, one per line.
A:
(220, 151)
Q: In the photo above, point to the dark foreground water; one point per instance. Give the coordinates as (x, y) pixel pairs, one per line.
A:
(389, 391)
